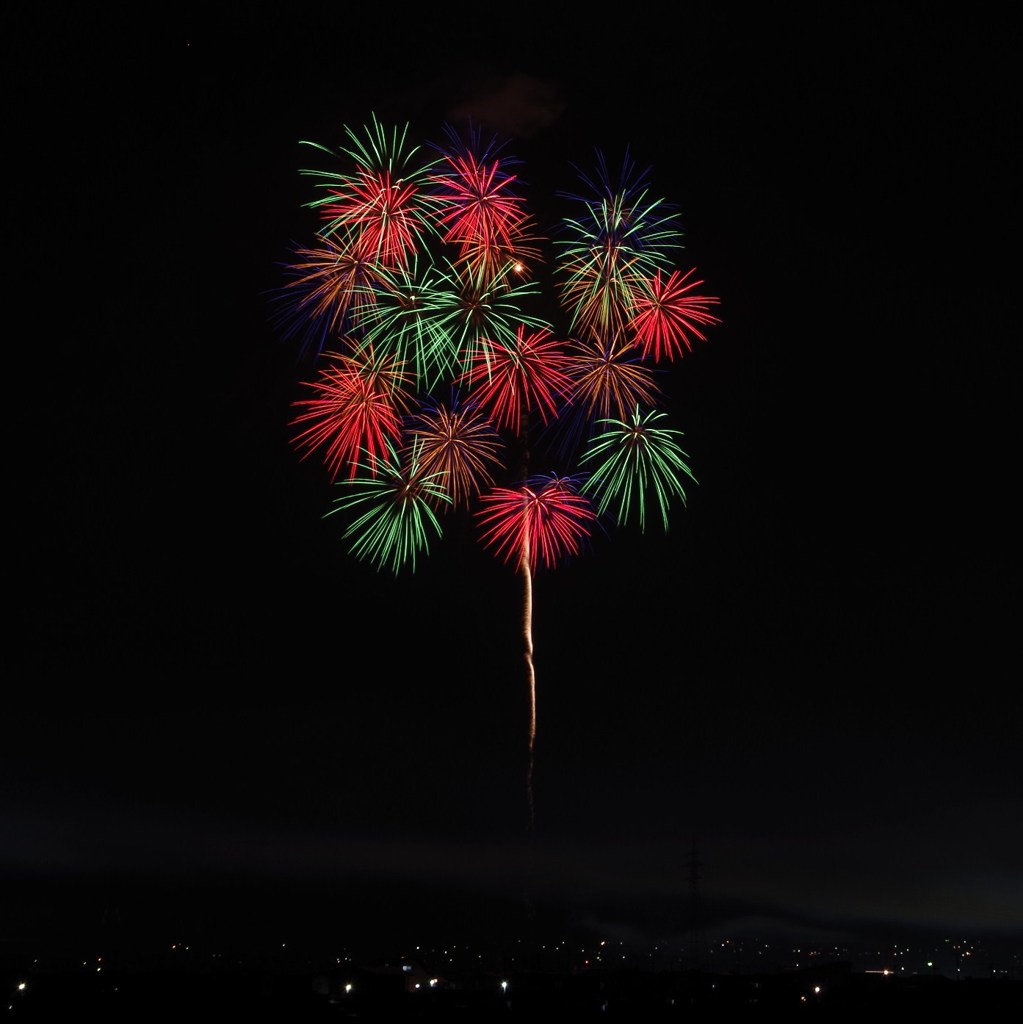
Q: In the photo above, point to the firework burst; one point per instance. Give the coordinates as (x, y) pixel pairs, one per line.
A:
(609, 378)
(459, 446)
(636, 460)
(410, 317)
(620, 237)
(479, 211)
(543, 521)
(329, 285)
(356, 412)
(383, 204)
(667, 317)
(394, 501)
(511, 381)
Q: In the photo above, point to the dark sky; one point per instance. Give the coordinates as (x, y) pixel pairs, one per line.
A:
(811, 680)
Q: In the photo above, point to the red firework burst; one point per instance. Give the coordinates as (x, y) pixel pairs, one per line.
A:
(511, 381)
(358, 409)
(544, 520)
(666, 315)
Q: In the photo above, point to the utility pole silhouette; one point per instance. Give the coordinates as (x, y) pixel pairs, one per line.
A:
(696, 935)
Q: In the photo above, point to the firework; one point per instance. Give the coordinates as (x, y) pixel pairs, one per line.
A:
(395, 501)
(609, 378)
(635, 460)
(491, 313)
(543, 521)
(356, 412)
(510, 381)
(329, 285)
(423, 275)
(383, 205)
(619, 238)
(459, 446)
(666, 315)
(410, 318)
(480, 212)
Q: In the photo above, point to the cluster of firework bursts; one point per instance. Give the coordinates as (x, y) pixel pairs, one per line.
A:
(438, 376)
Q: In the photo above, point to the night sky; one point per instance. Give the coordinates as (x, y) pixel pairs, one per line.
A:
(214, 715)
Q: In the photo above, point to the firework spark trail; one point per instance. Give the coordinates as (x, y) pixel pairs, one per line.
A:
(527, 636)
